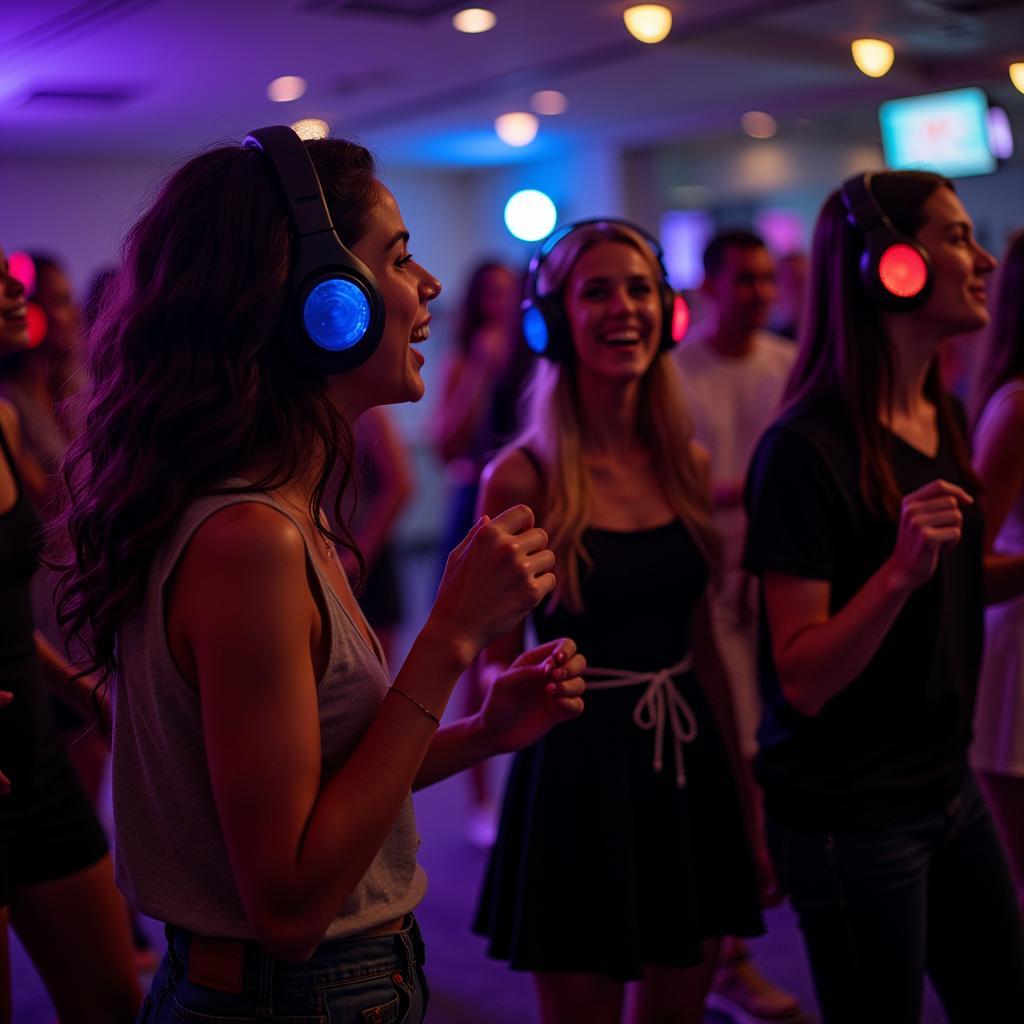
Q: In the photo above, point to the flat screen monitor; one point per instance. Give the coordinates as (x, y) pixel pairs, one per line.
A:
(945, 132)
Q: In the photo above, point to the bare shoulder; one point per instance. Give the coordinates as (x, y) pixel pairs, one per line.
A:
(1003, 421)
(248, 540)
(511, 478)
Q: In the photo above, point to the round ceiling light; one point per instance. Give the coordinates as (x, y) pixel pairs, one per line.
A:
(550, 102)
(873, 57)
(311, 128)
(474, 20)
(759, 125)
(286, 88)
(1017, 75)
(530, 215)
(517, 129)
(649, 23)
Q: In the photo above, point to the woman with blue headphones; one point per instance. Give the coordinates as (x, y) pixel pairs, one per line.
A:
(262, 757)
(623, 853)
(865, 532)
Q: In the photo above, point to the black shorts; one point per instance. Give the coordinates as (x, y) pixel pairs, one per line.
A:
(48, 828)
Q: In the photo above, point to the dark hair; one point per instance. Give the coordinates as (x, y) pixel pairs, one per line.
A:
(734, 238)
(845, 350)
(471, 318)
(1003, 354)
(190, 379)
(96, 295)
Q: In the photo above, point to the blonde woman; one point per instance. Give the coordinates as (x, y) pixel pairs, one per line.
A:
(623, 852)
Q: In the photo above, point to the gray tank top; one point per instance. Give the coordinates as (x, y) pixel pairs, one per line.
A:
(171, 858)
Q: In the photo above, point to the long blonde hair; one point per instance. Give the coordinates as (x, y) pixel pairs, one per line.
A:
(553, 430)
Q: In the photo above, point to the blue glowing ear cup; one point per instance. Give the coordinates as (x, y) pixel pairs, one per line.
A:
(535, 329)
(336, 314)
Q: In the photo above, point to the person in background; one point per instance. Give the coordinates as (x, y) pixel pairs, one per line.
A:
(624, 852)
(733, 372)
(56, 877)
(865, 533)
(385, 487)
(791, 278)
(998, 751)
(478, 412)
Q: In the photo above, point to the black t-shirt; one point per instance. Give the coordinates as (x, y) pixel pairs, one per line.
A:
(892, 745)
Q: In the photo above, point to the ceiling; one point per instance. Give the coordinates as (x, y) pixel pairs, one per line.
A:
(159, 78)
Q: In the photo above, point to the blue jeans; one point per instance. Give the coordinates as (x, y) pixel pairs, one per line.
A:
(374, 979)
(879, 909)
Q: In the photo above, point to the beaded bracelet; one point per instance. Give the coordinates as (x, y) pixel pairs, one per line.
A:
(423, 707)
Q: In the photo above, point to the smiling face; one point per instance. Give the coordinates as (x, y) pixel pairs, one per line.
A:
(392, 373)
(959, 299)
(13, 311)
(613, 305)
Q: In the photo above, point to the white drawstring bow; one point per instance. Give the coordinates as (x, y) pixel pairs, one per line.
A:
(660, 700)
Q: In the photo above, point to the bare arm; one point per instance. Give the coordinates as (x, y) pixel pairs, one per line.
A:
(33, 476)
(242, 603)
(65, 680)
(999, 460)
(526, 692)
(818, 654)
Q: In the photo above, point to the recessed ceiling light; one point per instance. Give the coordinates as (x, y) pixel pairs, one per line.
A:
(517, 129)
(873, 57)
(311, 128)
(474, 20)
(286, 88)
(550, 102)
(1017, 75)
(759, 125)
(649, 23)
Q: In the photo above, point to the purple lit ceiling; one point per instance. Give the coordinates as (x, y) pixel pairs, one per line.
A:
(165, 77)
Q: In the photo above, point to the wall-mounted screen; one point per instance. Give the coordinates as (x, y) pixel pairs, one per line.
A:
(944, 131)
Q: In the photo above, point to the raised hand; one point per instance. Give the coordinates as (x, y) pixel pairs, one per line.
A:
(542, 687)
(930, 522)
(499, 573)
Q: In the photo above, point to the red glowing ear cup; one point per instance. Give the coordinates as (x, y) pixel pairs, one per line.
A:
(36, 325)
(902, 271)
(21, 268)
(680, 318)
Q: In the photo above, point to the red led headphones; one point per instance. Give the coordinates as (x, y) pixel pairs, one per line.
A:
(896, 271)
(22, 268)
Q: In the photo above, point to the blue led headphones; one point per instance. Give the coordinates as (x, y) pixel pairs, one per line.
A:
(545, 325)
(896, 271)
(334, 304)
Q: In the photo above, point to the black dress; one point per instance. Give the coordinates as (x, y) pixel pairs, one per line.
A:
(48, 830)
(603, 864)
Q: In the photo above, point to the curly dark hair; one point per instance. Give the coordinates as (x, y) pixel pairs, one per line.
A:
(192, 381)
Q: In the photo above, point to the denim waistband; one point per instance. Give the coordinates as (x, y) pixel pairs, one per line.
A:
(334, 962)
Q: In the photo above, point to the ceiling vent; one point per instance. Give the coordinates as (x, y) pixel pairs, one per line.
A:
(95, 96)
(415, 10)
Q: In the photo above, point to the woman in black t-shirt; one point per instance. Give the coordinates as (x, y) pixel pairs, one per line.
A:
(866, 536)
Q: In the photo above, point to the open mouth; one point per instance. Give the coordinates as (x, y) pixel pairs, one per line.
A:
(420, 333)
(17, 315)
(622, 339)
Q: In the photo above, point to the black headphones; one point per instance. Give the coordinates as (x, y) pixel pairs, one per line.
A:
(545, 326)
(335, 308)
(896, 271)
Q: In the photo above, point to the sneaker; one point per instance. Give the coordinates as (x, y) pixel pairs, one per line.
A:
(746, 996)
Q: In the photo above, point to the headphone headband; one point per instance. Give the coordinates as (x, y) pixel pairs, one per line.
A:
(896, 271)
(544, 322)
(335, 309)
